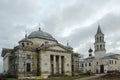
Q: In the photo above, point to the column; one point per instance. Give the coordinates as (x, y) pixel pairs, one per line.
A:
(54, 63)
(59, 64)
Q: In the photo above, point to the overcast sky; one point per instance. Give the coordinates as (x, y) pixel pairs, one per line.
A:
(73, 21)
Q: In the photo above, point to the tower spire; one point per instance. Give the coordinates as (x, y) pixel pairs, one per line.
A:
(99, 29)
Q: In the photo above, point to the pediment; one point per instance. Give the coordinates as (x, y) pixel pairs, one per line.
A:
(57, 47)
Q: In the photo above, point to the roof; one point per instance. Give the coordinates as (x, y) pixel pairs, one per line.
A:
(25, 40)
(112, 54)
(109, 57)
(5, 50)
(92, 57)
(99, 31)
(41, 34)
(46, 47)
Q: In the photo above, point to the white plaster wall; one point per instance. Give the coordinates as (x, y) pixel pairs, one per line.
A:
(6, 62)
(99, 54)
(45, 58)
(22, 59)
(45, 64)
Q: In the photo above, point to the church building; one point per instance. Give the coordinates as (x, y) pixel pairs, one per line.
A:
(100, 62)
(39, 54)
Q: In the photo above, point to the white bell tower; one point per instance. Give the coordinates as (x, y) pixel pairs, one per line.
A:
(99, 44)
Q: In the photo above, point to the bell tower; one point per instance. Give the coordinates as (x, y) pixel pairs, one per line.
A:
(99, 44)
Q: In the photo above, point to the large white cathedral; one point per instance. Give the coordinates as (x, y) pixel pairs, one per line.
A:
(100, 62)
(39, 54)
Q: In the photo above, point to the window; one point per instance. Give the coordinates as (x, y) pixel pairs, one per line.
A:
(100, 46)
(86, 64)
(110, 62)
(115, 62)
(89, 64)
(23, 45)
(67, 64)
(28, 67)
(28, 56)
(46, 42)
(27, 43)
(82, 65)
(97, 63)
(97, 39)
(100, 39)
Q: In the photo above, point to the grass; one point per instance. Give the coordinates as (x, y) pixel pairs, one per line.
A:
(67, 77)
(12, 79)
(61, 78)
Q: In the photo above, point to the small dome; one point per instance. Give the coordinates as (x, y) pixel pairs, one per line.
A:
(90, 50)
(25, 40)
(40, 34)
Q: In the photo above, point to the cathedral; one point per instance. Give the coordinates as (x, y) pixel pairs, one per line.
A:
(39, 54)
(100, 62)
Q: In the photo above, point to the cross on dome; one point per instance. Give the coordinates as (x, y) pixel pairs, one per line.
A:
(39, 25)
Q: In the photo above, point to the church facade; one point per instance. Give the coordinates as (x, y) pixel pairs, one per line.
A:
(39, 54)
(100, 62)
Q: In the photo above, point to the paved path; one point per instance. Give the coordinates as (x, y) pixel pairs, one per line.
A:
(97, 75)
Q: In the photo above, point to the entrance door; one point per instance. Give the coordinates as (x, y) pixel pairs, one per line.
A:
(101, 68)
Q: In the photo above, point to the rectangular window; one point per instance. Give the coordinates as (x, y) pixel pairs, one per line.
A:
(86, 64)
(28, 67)
(82, 65)
(28, 56)
(97, 63)
(110, 62)
(89, 64)
(115, 62)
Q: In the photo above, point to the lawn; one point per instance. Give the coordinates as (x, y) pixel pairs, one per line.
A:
(61, 78)
(67, 77)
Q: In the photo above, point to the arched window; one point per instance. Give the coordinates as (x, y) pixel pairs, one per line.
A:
(100, 39)
(97, 39)
(28, 67)
(86, 64)
(89, 64)
(100, 46)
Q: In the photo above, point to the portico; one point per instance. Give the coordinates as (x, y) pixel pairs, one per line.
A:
(57, 64)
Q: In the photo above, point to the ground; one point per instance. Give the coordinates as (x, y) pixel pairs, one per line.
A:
(108, 76)
(62, 78)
